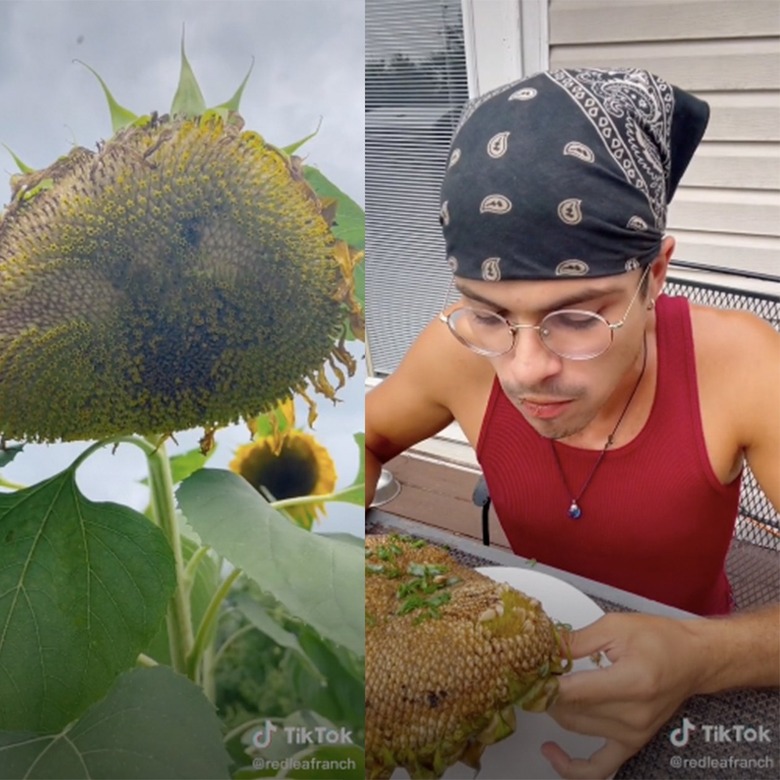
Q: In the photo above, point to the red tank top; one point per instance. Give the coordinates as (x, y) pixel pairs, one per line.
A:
(655, 519)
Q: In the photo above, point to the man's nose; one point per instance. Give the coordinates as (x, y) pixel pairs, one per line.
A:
(529, 362)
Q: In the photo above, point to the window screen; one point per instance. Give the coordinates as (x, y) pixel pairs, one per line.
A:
(416, 87)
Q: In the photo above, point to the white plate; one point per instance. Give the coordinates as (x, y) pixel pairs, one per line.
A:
(519, 757)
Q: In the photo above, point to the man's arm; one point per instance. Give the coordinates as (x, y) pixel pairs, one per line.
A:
(756, 404)
(411, 404)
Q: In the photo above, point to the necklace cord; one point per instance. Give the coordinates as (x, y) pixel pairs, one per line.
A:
(574, 509)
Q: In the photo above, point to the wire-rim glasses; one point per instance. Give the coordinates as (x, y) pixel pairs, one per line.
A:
(573, 334)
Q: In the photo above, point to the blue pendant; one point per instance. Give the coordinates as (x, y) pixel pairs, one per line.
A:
(574, 511)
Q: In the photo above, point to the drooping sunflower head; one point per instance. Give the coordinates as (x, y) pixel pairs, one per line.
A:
(183, 274)
(291, 465)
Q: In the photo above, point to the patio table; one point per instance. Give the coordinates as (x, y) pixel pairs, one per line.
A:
(757, 711)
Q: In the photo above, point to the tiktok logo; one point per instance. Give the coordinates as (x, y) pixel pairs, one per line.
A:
(680, 737)
(261, 739)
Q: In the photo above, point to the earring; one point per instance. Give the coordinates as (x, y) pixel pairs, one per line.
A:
(651, 305)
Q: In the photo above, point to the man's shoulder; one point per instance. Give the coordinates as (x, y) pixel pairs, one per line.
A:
(438, 381)
(732, 331)
(441, 357)
(737, 353)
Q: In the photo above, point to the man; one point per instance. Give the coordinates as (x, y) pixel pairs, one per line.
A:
(611, 422)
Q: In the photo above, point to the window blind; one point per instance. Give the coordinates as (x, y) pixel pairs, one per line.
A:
(416, 86)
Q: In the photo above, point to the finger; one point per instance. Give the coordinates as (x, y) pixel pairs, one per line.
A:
(588, 640)
(598, 724)
(595, 686)
(596, 714)
(600, 766)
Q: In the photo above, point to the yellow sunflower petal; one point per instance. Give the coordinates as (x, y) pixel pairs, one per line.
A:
(301, 467)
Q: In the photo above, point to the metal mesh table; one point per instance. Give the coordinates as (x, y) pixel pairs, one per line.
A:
(708, 759)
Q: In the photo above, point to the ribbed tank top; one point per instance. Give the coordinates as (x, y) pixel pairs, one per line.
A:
(656, 520)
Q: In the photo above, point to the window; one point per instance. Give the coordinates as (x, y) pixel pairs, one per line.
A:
(416, 86)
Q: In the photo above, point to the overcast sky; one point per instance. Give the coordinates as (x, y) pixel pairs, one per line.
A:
(308, 65)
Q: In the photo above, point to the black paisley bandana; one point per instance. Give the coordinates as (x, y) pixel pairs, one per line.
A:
(567, 173)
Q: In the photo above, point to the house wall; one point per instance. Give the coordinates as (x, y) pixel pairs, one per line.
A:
(727, 210)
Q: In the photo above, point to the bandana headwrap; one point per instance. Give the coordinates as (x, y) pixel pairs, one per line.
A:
(567, 173)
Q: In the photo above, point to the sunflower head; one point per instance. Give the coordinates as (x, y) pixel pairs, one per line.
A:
(288, 465)
(182, 274)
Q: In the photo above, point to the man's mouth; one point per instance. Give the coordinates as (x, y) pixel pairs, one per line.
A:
(543, 410)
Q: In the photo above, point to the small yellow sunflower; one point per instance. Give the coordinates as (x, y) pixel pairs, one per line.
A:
(299, 467)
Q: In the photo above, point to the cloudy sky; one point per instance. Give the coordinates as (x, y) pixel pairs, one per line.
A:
(308, 66)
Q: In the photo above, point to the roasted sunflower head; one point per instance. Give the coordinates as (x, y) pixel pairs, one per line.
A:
(181, 274)
(449, 653)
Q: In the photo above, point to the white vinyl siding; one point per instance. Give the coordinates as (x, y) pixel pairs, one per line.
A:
(726, 212)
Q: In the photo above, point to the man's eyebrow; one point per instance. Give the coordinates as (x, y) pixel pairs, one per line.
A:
(582, 296)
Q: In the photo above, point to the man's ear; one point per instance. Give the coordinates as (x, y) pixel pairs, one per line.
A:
(661, 266)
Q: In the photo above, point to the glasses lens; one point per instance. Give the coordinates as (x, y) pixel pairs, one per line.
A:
(578, 335)
(482, 331)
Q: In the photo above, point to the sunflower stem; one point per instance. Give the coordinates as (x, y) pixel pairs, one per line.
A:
(144, 445)
(178, 618)
(229, 641)
(11, 485)
(210, 617)
(208, 680)
(191, 570)
(314, 498)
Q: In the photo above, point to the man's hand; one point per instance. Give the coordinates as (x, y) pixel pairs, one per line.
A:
(654, 668)
(657, 663)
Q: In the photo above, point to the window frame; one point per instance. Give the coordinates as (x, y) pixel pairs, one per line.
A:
(505, 40)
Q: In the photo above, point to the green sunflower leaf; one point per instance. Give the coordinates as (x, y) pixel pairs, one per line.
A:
(293, 147)
(350, 756)
(275, 421)
(189, 462)
(153, 723)
(188, 100)
(186, 463)
(356, 492)
(120, 116)
(350, 223)
(234, 102)
(19, 164)
(318, 580)
(9, 452)
(45, 184)
(309, 762)
(349, 226)
(83, 589)
(258, 616)
(342, 698)
(360, 283)
(360, 440)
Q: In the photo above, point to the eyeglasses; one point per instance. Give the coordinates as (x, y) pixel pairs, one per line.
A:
(573, 334)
